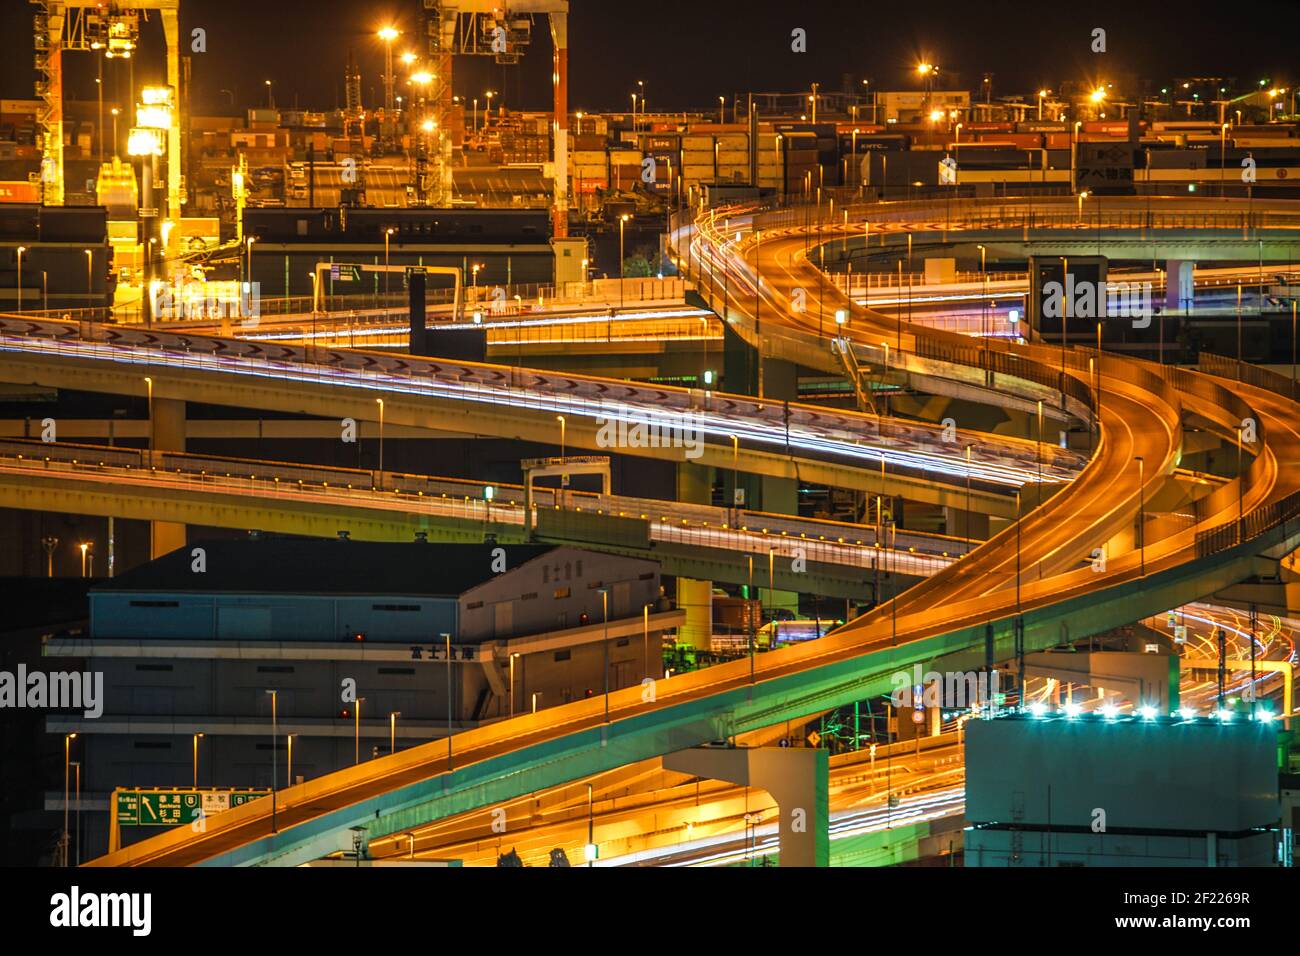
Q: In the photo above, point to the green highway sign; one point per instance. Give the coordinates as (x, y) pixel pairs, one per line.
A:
(169, 808)
(349, 274)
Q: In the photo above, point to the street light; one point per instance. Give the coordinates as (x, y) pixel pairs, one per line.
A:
(67, 752)
(84, 546)
(512, 684)
(196, 760)
(356, 731)
(392, 731)
(77, 791)
(735, 471)
(1142, 535)
(21, 250)
(90, 260)
(380, 403)
(562, 426)
(275, 770)
(387, 234)
(622, 220)
(1042, 95)
(604, 601)
(288, 739)
(645, 643)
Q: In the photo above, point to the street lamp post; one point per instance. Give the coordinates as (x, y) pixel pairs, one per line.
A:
(85, 547)
(21, 250)
(356, 731)
(288, 739)
(380, 403)
(196, 761)
(447, 651)
(512, 684)
(604, 601)
(645, 642)
(275, 770)
(622, 220)
(1142, 506)
(67, 753)
(77, 792)
(392, 731)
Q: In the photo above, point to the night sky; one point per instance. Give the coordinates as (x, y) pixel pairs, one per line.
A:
(690, 52)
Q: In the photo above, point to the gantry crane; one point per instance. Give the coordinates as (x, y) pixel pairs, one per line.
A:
(501, 30)
(95, 25)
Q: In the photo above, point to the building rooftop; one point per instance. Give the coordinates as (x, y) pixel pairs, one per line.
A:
(325, 566)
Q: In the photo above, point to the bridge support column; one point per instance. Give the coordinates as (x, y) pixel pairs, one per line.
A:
(959, 523)
(797, 778)
(166, 433)
(780, 382)
(693, 596)
(777, 496)
(1179, 289)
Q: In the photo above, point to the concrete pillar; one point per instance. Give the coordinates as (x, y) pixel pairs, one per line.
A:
(1179, 276)
(166, 433)
(777, 496)
(797, 778)
(959, 523)
(693, 596)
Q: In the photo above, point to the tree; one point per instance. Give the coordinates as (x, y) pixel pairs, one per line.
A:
(509, 859)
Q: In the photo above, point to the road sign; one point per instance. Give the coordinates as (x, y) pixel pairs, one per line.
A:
(169, 808)
(416, 270)
(814, 738)
(344, 273)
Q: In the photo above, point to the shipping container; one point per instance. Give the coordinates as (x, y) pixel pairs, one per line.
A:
(18, 191)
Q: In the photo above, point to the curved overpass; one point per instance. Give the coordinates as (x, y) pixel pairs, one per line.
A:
(979, 610)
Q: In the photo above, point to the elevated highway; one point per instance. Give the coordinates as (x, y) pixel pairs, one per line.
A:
(1025, 589)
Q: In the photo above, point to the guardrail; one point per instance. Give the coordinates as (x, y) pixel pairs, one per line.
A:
(747, 532)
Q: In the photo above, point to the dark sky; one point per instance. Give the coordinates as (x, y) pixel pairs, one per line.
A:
(690, 52)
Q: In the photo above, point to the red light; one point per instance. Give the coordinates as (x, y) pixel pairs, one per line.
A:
(358, 636)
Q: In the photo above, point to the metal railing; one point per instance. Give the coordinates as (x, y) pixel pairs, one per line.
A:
(756, 534)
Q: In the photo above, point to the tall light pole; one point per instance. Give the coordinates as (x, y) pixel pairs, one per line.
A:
(392, 731)
(447, 645)
(380, 403)
(67, 753)
(645, 642)
(85, 547)
(77, 791)
(90, 291)
(288, 739)
(388, 34)
(275, 769)
(735, 471)
(1142, 507)
(1223, 169)
(512, 683)
(356, 731)
(560, 419)
(622, 221)
(21, 250)
(196, 761)
(388, 232)
(604, 601)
